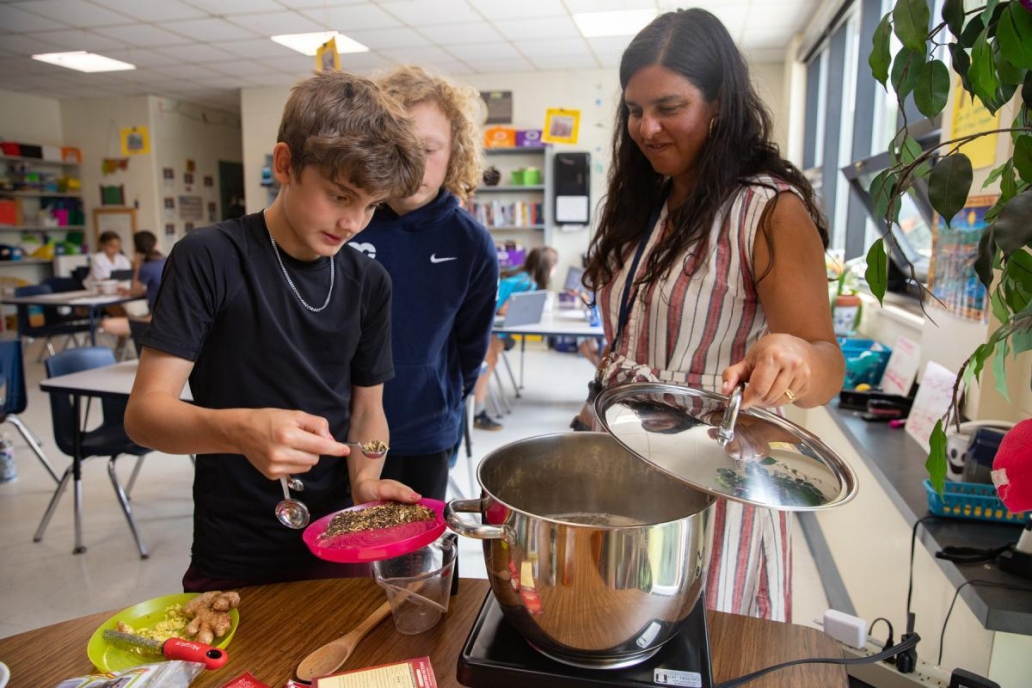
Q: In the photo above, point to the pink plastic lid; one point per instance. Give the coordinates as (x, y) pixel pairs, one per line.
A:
(373, 545)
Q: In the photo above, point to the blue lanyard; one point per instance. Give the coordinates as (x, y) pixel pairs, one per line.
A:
(628, 298)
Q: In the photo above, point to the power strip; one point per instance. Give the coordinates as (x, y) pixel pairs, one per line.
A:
(882, 675)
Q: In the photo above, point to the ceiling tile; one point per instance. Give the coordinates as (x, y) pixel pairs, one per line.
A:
(364, 62)
(143, 35)
(291, 64)
(379, 39)
(209, 30)
(79, 39)
(535, 49)
(141, 57)
(458, 34)
(452, 67)
(540, 27)
(576, 6)
(760, 40)
(194, 53)
(277, 23)
(609, 45)
(256, 48)
(507, 9)
(516, 64)
(609, 60)
(427, 53)
(164, 10)
(779, 15)
(249, 67)
(765, 55)
(421, 13)
(74, 12)
(26, 44)
(484, 51)
(12, 18)
(183, 71)
(557, 62)
(228, 8)
(318, 4)
(351, 18)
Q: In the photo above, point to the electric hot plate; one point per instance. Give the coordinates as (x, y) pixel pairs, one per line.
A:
(496, 656)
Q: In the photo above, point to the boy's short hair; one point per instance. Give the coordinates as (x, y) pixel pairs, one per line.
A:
(460, 104)
(350, 129)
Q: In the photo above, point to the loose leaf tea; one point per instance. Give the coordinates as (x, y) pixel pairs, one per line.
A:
(377, 518)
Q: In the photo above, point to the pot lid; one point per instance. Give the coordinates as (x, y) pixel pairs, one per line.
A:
(702, 439)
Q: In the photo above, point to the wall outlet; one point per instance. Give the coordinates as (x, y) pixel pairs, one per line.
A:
(882, 675)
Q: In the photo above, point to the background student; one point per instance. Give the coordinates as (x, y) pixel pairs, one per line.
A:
(284, 339)
(444, 271)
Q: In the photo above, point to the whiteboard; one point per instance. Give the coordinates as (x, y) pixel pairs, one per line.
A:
(122, 221)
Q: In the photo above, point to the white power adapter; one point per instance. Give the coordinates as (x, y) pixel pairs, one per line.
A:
(846, 628)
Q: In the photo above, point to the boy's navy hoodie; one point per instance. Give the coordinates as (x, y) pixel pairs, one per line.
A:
(444, 271)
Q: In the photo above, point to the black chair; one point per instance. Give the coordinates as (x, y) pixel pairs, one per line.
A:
(80, 274)
(53, 323)
(14, 401)
(109, 439)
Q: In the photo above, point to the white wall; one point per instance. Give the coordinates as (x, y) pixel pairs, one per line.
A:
(30, 119)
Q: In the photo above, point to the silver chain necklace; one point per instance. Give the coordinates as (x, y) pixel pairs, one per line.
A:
(275, 249)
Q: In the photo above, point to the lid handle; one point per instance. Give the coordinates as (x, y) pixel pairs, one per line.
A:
(726, 433)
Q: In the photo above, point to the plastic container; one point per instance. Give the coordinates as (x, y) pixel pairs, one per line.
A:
(418, 585)
(8, 469)
(973, 501)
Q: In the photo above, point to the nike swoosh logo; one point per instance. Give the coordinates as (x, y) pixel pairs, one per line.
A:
(435, 259)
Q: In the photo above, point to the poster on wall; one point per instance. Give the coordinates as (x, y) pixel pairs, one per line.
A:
(191, 208)
(209, 181)
(561, 126)
(951, 274)
(170, 208)
(971, 117)
(170, 229)
(135, 141)
(168, 176)
(212, 212)
(188, 227)
(499, 106)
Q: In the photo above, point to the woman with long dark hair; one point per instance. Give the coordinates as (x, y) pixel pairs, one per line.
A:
(708, 266)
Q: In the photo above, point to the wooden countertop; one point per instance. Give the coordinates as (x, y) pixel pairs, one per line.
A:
(280, 624)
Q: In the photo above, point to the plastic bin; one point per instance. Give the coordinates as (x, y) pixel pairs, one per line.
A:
(974, 501)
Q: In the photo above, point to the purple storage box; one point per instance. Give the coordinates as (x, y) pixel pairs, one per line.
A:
(510, 258)
(529, 138)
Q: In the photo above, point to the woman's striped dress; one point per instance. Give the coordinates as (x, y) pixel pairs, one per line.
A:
(686, 329)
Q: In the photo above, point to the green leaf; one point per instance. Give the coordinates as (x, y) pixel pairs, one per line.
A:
(877, 274)
(971, 32)
(1010, 76)
(904, 69)
(1000, 368)
(936, 463)
(1019, 271)
(909, 150)
(883, 187)
(953, 15)
(1021, 340)
(931, 88)
(1026, 90)
(1023, 157)
(881, 57)
(984, 260)
(949, 184)
(978, 358)
(983, 73)
(910, 20)
(995, 174)
(1014, 35)
(1008, 187)
(987, 12)
(1012, 229)
(961, 64)
(1000, 310)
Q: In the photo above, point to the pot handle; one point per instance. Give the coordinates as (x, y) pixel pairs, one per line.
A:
(470, 506)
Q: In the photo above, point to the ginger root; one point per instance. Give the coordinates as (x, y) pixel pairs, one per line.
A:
(209, 615)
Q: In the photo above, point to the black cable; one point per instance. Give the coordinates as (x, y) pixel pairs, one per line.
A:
(913, 544)
(956, 594)
(890, 641)
(902, 647)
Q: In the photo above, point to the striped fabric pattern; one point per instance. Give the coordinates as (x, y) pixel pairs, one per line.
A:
(686, 329)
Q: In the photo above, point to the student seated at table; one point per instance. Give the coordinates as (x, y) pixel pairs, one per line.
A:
(108, 258)
(535, 273)
(148, 264)
(284, 337)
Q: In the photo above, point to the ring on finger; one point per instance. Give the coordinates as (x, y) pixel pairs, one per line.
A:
(790, 394)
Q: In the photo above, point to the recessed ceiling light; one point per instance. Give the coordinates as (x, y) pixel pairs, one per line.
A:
(620, 23)
(308, 43)
(83, 61)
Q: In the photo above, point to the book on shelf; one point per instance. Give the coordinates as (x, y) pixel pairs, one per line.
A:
(515, 214)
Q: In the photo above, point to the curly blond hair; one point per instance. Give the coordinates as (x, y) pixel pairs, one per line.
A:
(463, 107)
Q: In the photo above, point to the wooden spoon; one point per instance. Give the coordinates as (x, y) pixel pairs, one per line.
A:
(332, 655)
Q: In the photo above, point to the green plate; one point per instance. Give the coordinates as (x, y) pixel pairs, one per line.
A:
(112, 657)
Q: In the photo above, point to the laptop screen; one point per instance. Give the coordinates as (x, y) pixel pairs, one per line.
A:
(573, 279)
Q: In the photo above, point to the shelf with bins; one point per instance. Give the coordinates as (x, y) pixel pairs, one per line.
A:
(513, 207)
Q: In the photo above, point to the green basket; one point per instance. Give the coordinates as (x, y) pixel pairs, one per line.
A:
(976, 501)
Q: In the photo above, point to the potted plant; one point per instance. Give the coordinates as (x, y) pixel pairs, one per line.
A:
(990, 49)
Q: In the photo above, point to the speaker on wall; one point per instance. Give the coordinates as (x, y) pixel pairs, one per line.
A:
(572, 175)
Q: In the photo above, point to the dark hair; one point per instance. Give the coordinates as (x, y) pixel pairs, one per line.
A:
(145, 243)
(694, 44)
(348, 128)
(107, 236)
(538, 264)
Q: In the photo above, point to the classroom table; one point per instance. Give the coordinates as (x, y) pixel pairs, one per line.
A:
(558, 322)
(281, 623)
(93, 303)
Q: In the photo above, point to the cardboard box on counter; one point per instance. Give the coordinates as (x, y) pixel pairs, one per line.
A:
(415, 673)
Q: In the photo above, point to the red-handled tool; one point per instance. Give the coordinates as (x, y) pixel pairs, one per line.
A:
(174, 648)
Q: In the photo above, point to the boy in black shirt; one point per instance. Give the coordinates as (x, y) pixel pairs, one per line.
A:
(284, 338)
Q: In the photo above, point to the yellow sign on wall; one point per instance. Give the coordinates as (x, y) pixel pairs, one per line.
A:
(327, 59)
(135, 141)
(970, 117)
(561, 126)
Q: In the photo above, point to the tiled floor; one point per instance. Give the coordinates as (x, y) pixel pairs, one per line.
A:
(43, 583)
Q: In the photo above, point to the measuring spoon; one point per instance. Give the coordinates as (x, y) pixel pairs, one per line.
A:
(291, 512)
(374, 449)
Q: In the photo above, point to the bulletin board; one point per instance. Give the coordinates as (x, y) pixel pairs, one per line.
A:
(122, 221)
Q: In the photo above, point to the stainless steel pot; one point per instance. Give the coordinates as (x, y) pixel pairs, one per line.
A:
(595, 557)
